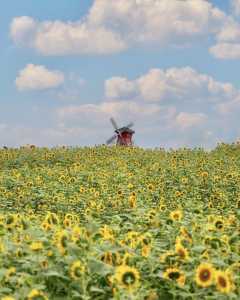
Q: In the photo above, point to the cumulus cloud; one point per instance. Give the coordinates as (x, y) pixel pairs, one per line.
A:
(171, 86)
(227, 41)
(34, 77)
(23, 30)
(114, 26)
(128, 111)
(189, 120)
(236, 7)
(226, 50)
(119, 87)
(59, 38)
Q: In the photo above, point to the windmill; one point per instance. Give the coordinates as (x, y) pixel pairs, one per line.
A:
(123, 134)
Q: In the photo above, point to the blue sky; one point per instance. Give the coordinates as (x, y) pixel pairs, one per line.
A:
(67, 66)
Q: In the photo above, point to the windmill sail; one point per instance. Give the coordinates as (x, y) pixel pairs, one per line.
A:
(109, 141)
(114, 123)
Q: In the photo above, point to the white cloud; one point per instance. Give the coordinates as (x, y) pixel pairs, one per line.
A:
(189, 120)
(23, 30)
(236, 7)
(58, 38)
(230, 32)
(113, 26)
(119, 86)
(98, 112)
(171, 86)
(226, 50)
(228, 41)
(34, 77)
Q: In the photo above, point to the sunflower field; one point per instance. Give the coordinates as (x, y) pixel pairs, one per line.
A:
(119, 223)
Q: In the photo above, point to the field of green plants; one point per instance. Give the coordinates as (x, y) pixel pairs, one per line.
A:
(119, 223)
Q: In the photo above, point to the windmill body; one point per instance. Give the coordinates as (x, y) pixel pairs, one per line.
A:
(123, 135)
(125, 139)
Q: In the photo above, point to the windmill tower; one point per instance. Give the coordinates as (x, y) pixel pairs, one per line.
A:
(123, 135)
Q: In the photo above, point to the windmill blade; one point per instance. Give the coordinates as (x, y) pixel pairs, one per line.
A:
(109, 141)
(114, 123)
(130, 125)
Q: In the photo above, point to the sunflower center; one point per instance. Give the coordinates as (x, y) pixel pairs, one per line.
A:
(219, 225)
(222, 281)
(174, 275)
(10, 220)
(64, 241)
(77, 272)
(181, 253)
(145, 241)
(205, 275)
(129, 278)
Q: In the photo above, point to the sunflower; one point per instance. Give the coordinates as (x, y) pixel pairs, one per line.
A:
(166, 255)
(44, 264)
(133, 194)
(36, 246)
(110, 258)
(77, 269)
(146, 250)
(96, 194)
(19, 252)
(106, 233)
(150, 187)
(238, 204)
(152, 296)
(62, 241)
(235, 267)
(175, 274)
(181, 251)
(132, 201)
(52, 219)
(130, 186)
(82, 189)
(126, 258)
(50, 253)
(219, 224)
(205, 273)
(11, 271)
(232, 219)
(127, 277)
(210, 204)
(67, 223)
(7, 298)
(223, 282)
(184, 180)
(162, 207)
(178, 194)
(204, 174)
(176, 215)
(132, 239)
(151, 218)
(186, 236)
(92, 190)
(205, 254)
(37, 295)
(11, 221)
(120, 192)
